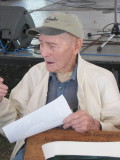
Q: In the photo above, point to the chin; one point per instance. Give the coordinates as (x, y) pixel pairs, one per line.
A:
(51, 70)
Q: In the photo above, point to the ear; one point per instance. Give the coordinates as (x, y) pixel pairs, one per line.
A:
(77, 45)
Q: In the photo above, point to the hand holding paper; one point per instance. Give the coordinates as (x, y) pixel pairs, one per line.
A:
(45, 118)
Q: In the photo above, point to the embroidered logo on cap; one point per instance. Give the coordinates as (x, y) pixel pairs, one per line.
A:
(47, 20)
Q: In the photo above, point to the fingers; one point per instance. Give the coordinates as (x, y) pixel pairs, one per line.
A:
(80, 121)
(3, 89)
(74, 120)
(3, 92)
(3, 86)
(74, 116)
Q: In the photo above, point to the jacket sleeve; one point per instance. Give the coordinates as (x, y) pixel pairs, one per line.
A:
(13, 108)
(110, 98)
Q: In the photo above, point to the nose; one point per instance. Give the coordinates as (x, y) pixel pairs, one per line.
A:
(44, 51)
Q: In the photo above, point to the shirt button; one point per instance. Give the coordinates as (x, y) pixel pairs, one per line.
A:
(60, 87)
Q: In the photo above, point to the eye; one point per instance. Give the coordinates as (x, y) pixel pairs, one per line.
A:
(52, 46)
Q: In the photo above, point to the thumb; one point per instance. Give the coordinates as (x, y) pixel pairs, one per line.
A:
(1, 80)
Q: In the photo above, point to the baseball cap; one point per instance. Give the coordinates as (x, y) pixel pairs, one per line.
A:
(58, 23)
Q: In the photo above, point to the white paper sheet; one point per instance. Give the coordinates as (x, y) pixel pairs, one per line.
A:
(110, 149)
(45, 118)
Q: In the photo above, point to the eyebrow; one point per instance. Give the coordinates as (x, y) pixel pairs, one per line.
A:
(50, 42)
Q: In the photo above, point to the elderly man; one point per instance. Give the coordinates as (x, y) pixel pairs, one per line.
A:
(90, 91)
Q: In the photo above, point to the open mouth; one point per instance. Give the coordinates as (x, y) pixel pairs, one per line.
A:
(49, 62)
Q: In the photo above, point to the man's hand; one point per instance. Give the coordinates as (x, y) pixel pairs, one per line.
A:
(3, 89)
(80, 121)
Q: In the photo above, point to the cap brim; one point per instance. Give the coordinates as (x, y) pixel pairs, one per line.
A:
(44, 30)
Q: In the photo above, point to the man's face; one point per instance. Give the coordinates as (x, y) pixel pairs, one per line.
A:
(58, 52)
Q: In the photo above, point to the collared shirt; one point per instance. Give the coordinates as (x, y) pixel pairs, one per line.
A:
(68, 89)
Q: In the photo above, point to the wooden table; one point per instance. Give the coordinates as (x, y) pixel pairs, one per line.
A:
(33, 147)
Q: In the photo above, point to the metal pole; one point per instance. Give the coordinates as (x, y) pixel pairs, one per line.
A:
(115, 11)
